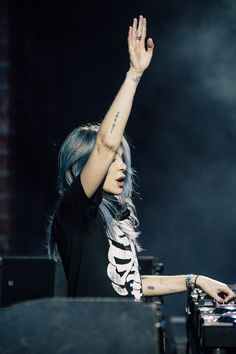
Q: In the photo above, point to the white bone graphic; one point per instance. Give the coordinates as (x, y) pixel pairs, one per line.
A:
(127, 272)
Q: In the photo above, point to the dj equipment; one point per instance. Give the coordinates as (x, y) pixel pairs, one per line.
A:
(79, 326)
(211, 327)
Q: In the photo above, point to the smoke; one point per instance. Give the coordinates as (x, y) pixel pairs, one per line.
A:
(190, 217)
(212, 52)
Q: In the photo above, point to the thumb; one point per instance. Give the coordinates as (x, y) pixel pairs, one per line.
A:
(150, 45)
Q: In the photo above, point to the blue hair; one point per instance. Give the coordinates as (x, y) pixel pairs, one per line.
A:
(73, 155)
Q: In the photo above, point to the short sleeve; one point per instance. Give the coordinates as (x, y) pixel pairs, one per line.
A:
(76, 209)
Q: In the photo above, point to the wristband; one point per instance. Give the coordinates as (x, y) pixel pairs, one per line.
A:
(188, 282)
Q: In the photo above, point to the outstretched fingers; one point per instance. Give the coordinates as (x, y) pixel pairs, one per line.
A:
(140, 57)
(140, 29)
(137, 33)
(144, 31)
(134, 30)
(130, 38)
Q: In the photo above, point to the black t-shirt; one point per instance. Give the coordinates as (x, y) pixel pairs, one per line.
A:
(94, 264)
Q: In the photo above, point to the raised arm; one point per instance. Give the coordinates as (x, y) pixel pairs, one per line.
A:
(155, 285)
(112, 128)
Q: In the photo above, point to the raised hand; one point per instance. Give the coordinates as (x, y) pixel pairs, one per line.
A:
(140, 57)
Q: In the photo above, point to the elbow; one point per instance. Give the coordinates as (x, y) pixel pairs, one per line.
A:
(105, 144)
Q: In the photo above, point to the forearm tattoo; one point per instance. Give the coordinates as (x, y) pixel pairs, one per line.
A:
(164, 285)
(114, 123)
(151, 287)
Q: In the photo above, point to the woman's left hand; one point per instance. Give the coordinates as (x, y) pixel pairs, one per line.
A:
(140, 58)
(213, 288)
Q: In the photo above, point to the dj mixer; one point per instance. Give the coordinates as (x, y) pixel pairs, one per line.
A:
(211, 327)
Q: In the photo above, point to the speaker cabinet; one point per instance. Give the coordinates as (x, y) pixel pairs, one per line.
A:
(79, 326)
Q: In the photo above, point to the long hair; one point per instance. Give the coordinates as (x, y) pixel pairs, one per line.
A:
(73, 155)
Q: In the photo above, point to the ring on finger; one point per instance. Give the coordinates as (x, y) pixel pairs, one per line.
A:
(139, 37)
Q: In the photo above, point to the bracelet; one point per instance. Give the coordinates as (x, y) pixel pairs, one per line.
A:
(195, 281)
(188, 282)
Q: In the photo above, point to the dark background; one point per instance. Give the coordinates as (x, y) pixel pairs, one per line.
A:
(68, 61)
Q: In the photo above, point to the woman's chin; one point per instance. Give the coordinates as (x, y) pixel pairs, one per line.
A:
(113, 191)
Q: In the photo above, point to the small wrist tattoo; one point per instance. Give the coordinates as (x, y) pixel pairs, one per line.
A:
(136, 79)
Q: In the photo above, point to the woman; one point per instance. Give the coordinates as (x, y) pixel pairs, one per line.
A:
(95, 225)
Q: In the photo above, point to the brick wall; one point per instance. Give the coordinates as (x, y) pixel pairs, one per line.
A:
(5, 174)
